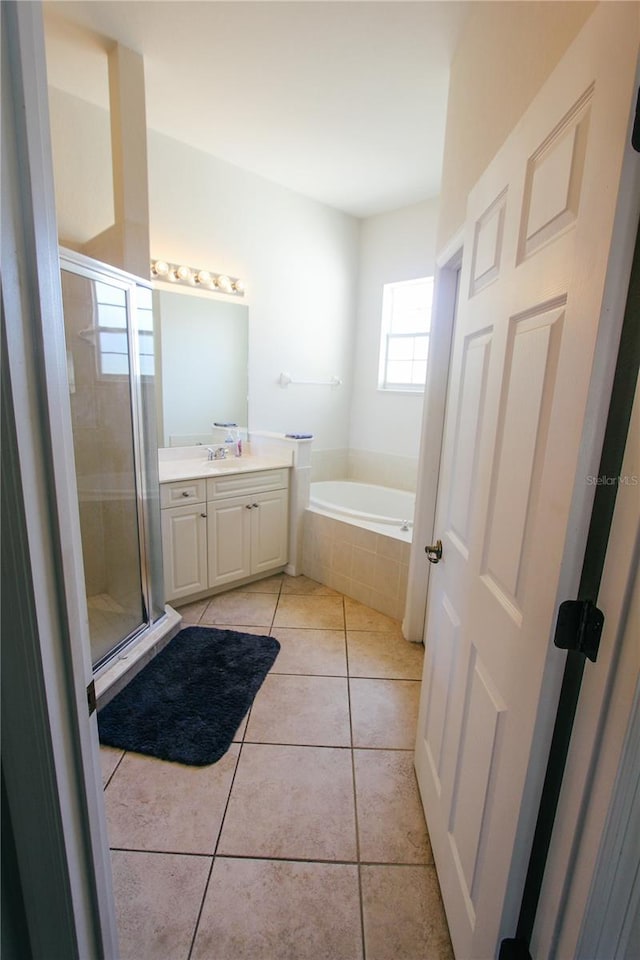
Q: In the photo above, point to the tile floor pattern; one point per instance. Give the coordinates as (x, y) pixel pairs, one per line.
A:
(307, 840)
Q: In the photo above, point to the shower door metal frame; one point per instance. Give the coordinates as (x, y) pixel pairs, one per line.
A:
(91, 269)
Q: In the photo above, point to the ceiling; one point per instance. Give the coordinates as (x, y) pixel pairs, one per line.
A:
(342, 101)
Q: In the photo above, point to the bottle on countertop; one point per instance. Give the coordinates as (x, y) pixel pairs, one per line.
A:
(232, 439)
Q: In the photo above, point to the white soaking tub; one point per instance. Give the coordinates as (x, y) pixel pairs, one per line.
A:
(383, 509)
(357, 539)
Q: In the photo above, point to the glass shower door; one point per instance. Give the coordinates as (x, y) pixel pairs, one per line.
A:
(99, 371)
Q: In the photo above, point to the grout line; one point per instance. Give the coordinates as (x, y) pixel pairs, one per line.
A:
(288, 743)
(344, 863)
(275, 609)
(276, 859)
(215, 848)
(204, 897)
(113, 772)
(351, 747)
(346, 676)
(163, 853)
(355, 794)
(321, 676)
(320, 746)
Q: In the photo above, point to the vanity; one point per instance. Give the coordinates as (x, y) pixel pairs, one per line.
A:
(228, 522)
(225, 522)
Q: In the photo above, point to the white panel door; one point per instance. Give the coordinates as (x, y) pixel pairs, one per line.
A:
(269, 533)
(184, 550)
(539, 224)
(229, 540)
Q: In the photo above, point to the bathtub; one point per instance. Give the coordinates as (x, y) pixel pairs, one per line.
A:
(357, 539)
(382, 509)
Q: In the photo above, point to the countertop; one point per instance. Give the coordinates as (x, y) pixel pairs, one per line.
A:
(195, 468)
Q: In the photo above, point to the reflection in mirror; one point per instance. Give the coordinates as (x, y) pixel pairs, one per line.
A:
(202, 352)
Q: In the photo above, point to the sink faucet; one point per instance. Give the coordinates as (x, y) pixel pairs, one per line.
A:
(220, 453)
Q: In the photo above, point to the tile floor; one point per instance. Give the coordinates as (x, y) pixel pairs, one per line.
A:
(307, 840)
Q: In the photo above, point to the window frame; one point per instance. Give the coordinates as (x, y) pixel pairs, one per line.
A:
(387, 336)
(144, 335)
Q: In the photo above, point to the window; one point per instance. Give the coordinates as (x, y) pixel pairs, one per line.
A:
(113, 352)
(404, 344)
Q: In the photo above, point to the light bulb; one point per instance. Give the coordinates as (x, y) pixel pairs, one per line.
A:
(238, 286)
(204, 277)
(224, 283)
(184, 273)
(161, 268)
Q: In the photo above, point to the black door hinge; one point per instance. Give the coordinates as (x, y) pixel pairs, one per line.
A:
(579, 627)
(635, 133)
(91, 697)
(514, 949)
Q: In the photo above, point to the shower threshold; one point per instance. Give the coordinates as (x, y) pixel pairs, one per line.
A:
(116, 673)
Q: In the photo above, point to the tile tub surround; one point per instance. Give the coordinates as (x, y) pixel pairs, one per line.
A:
(307, 840)
(367, 566)
(385, 469)
(365, 466)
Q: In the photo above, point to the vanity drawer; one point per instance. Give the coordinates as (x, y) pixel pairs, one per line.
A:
(183, 491)
(260, 481)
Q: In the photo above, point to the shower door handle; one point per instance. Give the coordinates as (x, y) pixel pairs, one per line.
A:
(434, 552)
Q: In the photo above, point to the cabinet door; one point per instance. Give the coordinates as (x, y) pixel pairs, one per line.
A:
(269, 533)
(184, 546)
(229, 533)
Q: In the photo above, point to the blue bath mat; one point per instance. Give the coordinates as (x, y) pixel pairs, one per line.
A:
(188, 702)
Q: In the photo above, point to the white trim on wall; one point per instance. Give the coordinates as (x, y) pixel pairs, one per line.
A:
(444, 306)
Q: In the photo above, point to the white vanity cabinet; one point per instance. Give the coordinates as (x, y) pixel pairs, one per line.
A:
(247, 524)
(223, 529)
(184, 537)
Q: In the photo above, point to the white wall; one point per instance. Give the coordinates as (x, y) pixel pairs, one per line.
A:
(505, 53)
(298, 258)
(393, 246)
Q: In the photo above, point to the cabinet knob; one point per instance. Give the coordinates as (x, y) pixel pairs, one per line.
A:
(255, 504)
(185, 493)
(247, 506)
(204, 516)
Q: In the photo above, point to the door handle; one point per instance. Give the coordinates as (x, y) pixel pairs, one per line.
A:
(434, 552)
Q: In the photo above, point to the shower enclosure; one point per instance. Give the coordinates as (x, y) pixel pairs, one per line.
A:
(110, 366)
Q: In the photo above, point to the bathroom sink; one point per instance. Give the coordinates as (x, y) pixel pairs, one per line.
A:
(234, 463)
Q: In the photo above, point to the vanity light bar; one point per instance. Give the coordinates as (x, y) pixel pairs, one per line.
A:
(193, 277)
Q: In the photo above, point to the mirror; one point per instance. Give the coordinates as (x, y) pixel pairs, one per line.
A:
(202, 360)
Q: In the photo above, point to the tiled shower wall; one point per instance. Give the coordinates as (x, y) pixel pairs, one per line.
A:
(367, 566)
(366, 466)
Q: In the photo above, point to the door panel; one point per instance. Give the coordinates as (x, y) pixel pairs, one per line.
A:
(487, 244)
(528, 381)
(539, 227)
(269, 531)
(229, 544)
(476, 760)
(184, 537)
(97, 321)
(446, 643)
(554, 179)
(475, 365)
